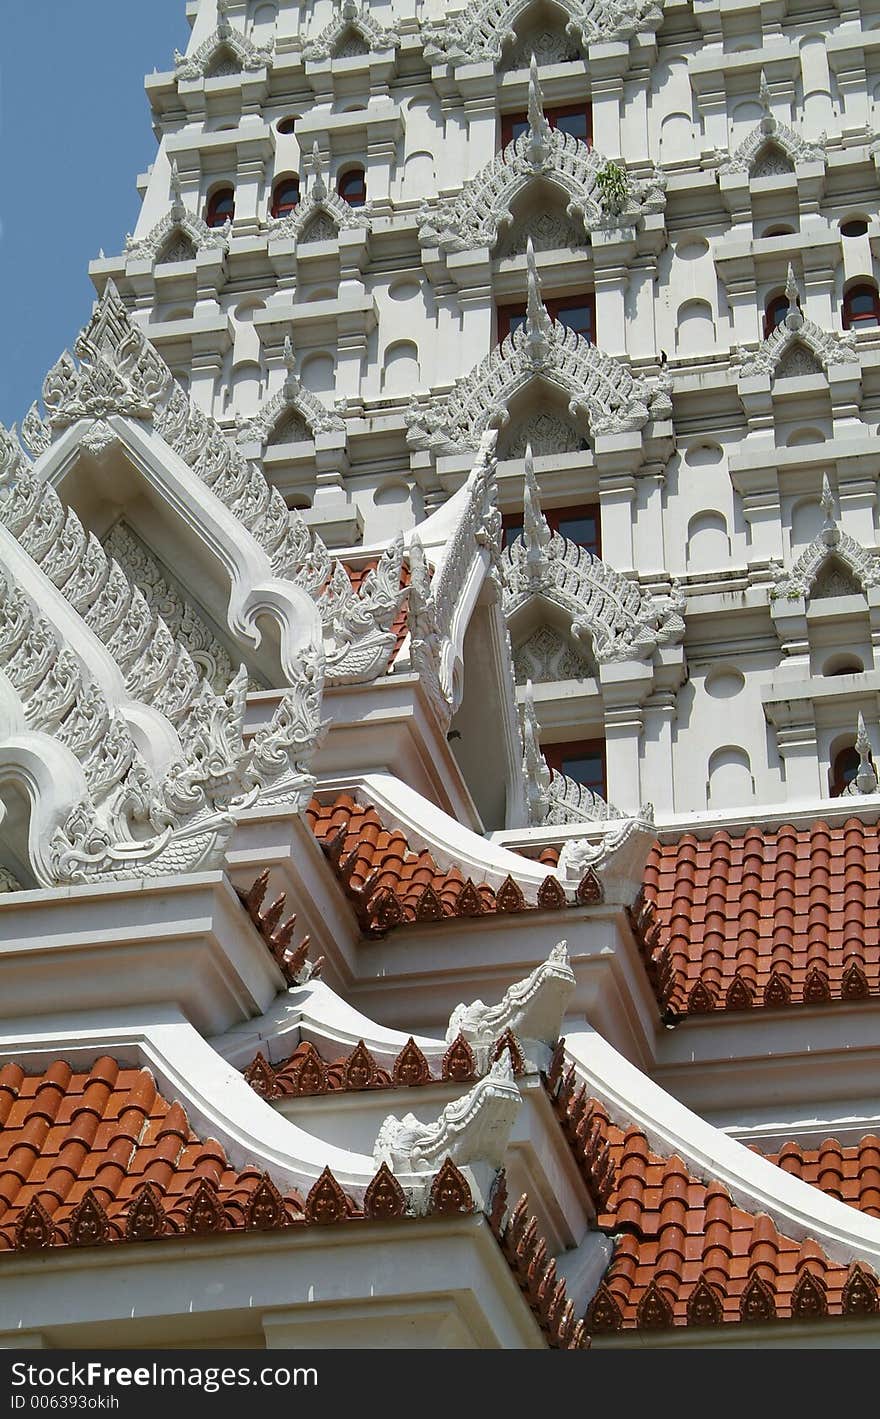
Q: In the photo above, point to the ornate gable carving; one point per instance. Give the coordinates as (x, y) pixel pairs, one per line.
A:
(771, 147)
(797, 346)
(180, 234)
(122, 373)
(618, 619)
(832, 547)
(322, 213)
(480, 32)
(546, 656)
(144, 572)
(484, 207)
(598, 389)
(433, 604)
(352, 31)
(226, 51)
(292, 408)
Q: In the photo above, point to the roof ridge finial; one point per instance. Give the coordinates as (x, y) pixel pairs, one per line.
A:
(318, 188)
(177, 205)
(768, 122)
(535, 769)
(538, 322)
(865, 780)
(536, 532)
(224, 28)
(794, 316)
(830, 533)
(289, 357)
(539, 128)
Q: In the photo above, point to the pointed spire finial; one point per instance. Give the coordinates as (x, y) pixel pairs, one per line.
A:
(318, 187)
(176, 189)
(538, 322)
(794, 317)
(289, 357)
(223, 25)
(865, 780)
(768, 122)
(539, 128)
(830, 533)
(536, 532)
(535, 770)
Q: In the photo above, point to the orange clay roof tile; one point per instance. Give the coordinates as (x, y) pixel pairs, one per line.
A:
(767, 918)
(390, 884)
(684, 1253)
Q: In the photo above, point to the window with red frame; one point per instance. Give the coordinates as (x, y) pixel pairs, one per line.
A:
(861, 307)
(582, 760)
(775, 312)
(285, 196)
(575, 118)
(843, 770)
(221, 206)
(352, 187)
(577, 312)
(580, 525)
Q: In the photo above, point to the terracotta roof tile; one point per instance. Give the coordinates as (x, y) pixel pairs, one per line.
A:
(850, 1173)
(390, 884)
(98, 1156)
(767, 918)
(684, 1253)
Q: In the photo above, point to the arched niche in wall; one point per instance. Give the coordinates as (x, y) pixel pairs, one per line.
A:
(246, 341)
(704, 454)
(247, 387)
(806, 520)
(818, 109)
(406, 289)
(694, 328)
(743, 118)
(419, 175)
(729, 781)
(708, 543)
(394, 508)
(842, 663)
(691, 248)
(318, 373)
(261, 22)
(678, 140)
(802, 438)
(401, 373)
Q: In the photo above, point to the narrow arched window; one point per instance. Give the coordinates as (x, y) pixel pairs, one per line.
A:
(861, 307)
(843, 770)
(285, 196)
(221, 207)
(352, 187)
(775, 312)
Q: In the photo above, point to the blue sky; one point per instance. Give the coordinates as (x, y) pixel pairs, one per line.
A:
(75, 131)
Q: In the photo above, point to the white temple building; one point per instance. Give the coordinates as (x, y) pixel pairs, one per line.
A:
(440, 694)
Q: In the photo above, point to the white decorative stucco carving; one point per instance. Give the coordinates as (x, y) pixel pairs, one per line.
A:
(616, 860)
(473, 1131)
(618, 619)
(483, 210)
(293, 399)
(831, 544)
(480, 32)
(436, 624)
(225, 51)
(865, 780)
(125, 548)
(321, 214)
(600, 391)
(756, 154)
(179, 234)
(531, 1011)
(777, 355)
(352, 31)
